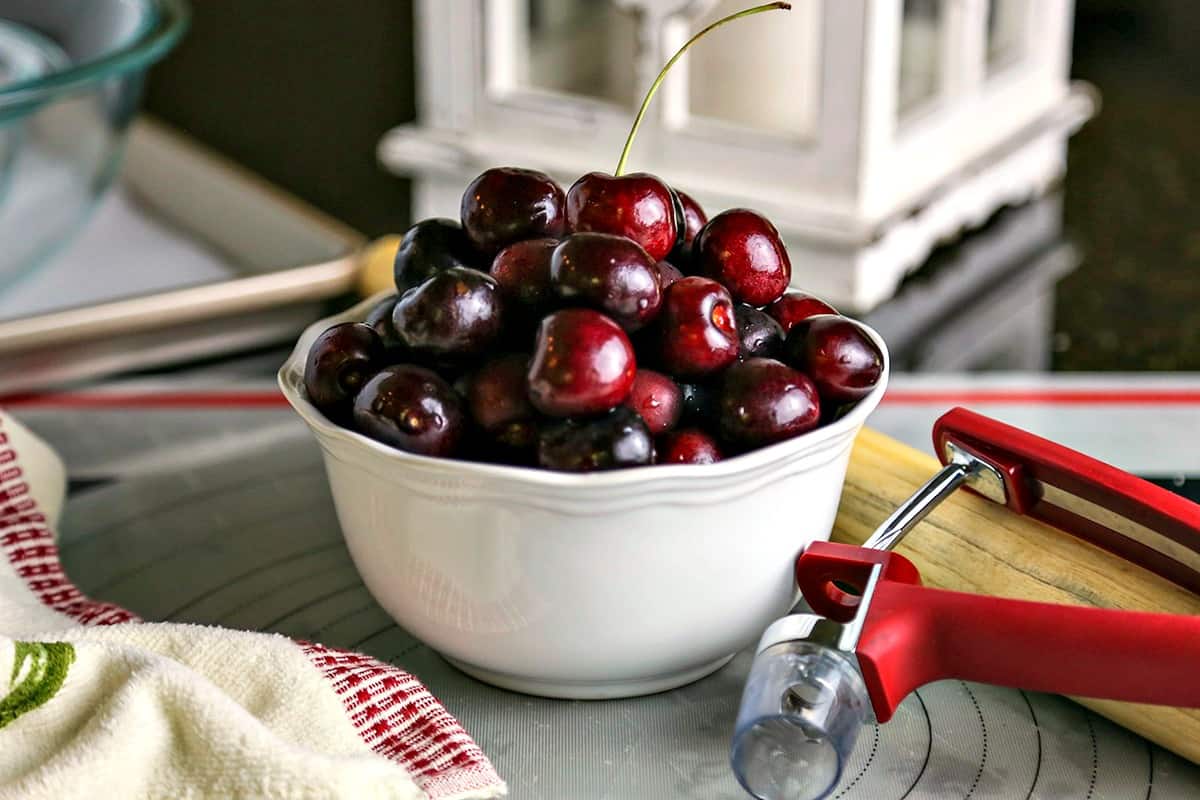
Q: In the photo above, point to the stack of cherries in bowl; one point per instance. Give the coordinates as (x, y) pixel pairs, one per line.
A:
(612, 325)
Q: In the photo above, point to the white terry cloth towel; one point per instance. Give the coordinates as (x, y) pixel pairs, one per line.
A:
(95, 703)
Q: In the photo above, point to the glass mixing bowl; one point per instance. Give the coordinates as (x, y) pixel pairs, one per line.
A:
(70, 82)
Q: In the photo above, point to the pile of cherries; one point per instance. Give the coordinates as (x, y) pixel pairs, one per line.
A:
(609, 326)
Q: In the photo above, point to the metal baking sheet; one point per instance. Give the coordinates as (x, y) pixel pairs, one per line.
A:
(227, 262)
(210, 505)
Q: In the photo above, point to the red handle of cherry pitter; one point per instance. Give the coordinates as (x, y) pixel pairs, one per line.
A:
(913, 635)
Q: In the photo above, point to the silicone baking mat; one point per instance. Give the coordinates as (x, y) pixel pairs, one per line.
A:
(211, 506)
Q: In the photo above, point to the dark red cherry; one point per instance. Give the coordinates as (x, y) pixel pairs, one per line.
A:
(698, 328)
(657, 399)
(582, 364)
(667, 274)
(796, 307)
(680, 221)
(508, 204)
(610, 273)
(454, 314)
(637, 206)
(688, 446)
(411, 408)
(694, 219)
(618, 439)
(430, 246)
(498, 401)
(497, 394)
(339, 362)
(843, 361)
(523, 271)
(765, 401)
(741, 249)
(760, 335)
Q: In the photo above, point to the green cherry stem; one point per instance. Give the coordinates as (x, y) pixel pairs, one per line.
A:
(637, 121)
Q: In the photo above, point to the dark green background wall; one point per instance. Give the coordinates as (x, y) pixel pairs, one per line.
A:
(300, 91)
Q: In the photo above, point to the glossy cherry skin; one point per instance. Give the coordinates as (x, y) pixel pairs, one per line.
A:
(667, 274)
(523, 271)
(637, 206)
(455, 314)
(688, 446)
(741, 249)
(413, 409)
(765, 401)
(760, 335)
(843, 361)
(694, 220)
(339, 362)
(609, 273)
(497, 394)
(658, 400)
(508, 204)
(680, 221)
(618, 439)
(698, 330)
(430, 246)
(582, 364)
(796, 307)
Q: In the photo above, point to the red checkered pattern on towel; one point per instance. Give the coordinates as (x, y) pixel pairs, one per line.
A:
(400, 719)
(28, 545)
(395, 715)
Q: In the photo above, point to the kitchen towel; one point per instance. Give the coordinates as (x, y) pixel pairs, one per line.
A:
(96, 703)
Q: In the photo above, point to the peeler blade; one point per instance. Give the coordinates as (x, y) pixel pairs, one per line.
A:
(1132, 518)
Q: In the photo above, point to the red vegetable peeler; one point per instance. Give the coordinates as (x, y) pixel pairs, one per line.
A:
(876, 634)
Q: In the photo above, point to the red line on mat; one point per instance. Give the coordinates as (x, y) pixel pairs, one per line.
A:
(273, 399)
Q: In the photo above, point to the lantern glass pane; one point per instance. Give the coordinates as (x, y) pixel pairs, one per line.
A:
(579, 47)
(920, 53)
(1005, 21)
(761, 73)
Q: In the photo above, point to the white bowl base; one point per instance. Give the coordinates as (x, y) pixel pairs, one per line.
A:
(605, 690)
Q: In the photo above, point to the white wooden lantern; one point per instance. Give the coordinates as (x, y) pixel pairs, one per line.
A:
(867, 130)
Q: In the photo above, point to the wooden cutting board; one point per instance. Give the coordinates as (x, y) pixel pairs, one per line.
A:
(969, 544)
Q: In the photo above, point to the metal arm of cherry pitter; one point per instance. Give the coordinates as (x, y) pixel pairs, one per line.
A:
(876, 634)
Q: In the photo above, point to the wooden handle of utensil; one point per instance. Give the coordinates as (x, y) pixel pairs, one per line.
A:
(970, 544)
(375, 266)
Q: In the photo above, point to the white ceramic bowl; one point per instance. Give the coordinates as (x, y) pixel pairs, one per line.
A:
(595, 585)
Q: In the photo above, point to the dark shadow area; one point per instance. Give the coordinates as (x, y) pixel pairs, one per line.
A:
(1133, 192)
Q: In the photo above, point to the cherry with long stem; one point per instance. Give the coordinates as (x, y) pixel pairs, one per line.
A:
(637, 121)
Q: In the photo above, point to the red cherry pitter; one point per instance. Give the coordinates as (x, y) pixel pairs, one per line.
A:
(875, 633)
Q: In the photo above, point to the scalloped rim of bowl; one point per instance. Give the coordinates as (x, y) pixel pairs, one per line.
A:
(291, 381)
